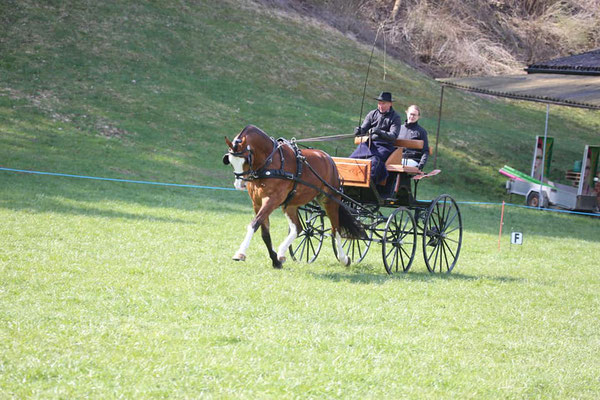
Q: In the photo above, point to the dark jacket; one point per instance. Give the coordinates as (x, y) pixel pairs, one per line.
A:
(382, 144)
(415, 131)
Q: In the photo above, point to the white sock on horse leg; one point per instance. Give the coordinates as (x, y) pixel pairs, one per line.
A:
(283, 247)
(342, 257)
(241, 253)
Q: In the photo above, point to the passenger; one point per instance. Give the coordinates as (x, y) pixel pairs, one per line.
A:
(382, 125)
(412, 130)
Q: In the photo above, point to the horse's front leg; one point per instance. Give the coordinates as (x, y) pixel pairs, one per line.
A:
(266, 237)
(261, 219)
(240, 255)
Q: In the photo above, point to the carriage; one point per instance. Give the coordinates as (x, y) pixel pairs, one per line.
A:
(391, 216)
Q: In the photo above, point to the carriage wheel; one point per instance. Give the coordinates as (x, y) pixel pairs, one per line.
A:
(308, 244)
(442, 234)
(357, 249)
(399, 241)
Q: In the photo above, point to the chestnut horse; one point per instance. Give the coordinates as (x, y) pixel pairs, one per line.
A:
(277, 174)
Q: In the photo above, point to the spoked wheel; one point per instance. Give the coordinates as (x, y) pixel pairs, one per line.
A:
(357, 249)
(399, 241)
(308, 244)
(442, 234)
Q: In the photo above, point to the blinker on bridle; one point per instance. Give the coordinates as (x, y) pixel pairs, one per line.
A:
(246, 154)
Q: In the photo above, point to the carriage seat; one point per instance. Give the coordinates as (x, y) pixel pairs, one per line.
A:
(357, 172)
(394, 162)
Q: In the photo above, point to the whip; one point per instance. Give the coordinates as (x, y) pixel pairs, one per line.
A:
(362, 104)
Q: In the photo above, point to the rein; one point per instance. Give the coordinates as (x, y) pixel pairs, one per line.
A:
(324, 138)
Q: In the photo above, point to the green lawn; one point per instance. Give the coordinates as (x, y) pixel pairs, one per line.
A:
(130, 291)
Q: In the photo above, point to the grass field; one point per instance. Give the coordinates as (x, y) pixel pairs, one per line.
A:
(129, 291)
(122, 290)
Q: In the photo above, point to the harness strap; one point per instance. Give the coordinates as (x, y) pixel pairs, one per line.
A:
(281, 173)
(299, 159)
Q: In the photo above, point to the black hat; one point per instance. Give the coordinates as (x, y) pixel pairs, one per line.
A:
(385, 96)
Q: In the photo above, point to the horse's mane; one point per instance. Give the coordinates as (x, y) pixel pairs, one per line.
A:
(253, 129)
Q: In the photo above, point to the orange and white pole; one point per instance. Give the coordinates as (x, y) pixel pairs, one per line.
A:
(501, 223)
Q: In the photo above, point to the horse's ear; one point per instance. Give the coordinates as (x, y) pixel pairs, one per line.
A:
(228, 142)
(226, 159)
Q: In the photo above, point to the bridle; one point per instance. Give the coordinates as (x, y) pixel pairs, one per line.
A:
(248, 155)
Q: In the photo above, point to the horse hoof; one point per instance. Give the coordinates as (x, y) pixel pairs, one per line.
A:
(281, 259)
(277, 265)
(348, 261)
(239, 257)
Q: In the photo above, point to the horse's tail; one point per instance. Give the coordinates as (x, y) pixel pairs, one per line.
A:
(349, 226)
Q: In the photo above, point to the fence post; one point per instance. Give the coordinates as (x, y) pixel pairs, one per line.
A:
(501, 223)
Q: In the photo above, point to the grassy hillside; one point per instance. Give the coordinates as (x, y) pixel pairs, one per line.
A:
(147, 91)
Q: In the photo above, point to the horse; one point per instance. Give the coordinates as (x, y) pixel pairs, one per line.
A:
(276, 173)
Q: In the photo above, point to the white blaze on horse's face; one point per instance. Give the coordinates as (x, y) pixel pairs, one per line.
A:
(238, 167)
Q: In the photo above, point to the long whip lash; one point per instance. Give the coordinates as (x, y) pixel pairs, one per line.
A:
(362, 104)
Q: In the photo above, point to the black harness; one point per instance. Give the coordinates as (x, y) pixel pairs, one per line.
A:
(265, 172)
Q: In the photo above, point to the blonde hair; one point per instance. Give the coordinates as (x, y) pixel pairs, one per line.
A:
(416, 107)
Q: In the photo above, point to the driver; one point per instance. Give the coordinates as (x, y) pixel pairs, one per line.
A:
(382, 125)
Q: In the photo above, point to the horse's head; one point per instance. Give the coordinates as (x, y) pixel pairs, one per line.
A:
(245, 152)
(239, 155)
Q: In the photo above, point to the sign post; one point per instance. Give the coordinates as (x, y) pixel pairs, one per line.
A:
(516, 238)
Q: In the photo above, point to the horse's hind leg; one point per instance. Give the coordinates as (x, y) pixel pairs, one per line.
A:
(342, 257)
(332, 208)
